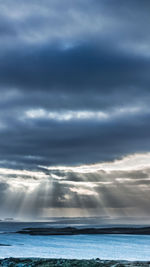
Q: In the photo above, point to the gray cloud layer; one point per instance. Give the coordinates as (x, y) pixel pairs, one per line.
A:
(91, 56)
(89, 61)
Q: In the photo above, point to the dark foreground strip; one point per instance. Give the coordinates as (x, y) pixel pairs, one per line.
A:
(22, 262)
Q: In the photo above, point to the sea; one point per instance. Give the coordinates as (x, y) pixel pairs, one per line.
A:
(112, 246)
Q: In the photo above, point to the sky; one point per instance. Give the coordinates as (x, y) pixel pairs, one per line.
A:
(74, 108)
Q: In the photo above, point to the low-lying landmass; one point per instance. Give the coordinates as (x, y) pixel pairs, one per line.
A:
(77, 231)
(4, 245)
(31, 262)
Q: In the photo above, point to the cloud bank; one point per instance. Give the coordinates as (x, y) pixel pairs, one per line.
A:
(74, 91)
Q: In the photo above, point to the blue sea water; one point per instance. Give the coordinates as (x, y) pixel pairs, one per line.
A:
(124, 247)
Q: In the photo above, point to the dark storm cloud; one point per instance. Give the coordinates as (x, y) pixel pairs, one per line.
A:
(48, 142)
(83, 68)
(60, 64)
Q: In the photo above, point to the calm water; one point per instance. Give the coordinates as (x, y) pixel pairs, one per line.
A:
(81, 246)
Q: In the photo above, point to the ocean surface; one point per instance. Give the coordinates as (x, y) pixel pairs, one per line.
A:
(123, 247)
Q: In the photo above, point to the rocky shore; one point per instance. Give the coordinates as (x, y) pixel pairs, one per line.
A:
(77, 231)
(23, 262)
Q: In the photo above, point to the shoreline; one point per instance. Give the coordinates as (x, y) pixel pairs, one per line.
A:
(52, 262)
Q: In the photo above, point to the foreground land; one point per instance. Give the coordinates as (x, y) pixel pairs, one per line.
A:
(14, 262)
(77, 231)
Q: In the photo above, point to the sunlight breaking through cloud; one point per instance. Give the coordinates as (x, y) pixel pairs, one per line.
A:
(116, 188)
(74, 108)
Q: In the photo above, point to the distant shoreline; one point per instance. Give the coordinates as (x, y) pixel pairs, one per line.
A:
(77, 231)
(41, 262)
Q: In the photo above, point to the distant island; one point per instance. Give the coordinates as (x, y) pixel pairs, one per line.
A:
(9, 219)
(78, 231)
